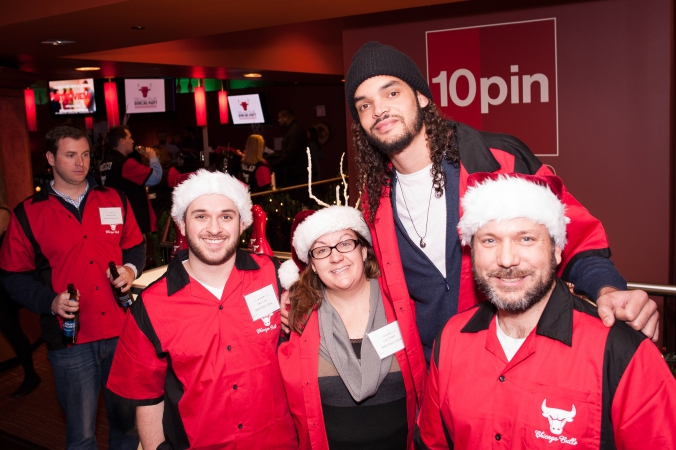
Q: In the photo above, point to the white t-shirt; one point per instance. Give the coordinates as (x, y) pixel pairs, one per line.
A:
(509, 344)
(218, 292)
(413, 197)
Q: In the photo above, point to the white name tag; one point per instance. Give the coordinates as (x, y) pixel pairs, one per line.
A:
(387, 340)
(262, 303)
(110, 216)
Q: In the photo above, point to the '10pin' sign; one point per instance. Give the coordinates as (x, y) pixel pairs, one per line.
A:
(500, 78)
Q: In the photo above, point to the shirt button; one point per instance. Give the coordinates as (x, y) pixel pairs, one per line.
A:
(498, 437)
(91, 262)
(103, 313)
(220, 306)
(97, 288)
(234, 387)
(229, 348)
(85, 237)
(502, 378)
(240, 426)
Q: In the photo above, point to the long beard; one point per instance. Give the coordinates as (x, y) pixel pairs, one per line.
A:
(533, 295)
(210, 259)
(403, 141)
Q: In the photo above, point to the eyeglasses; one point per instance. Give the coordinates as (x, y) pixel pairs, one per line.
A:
(345, 246)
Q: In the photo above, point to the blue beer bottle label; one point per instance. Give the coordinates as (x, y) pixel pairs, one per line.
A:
(69, 328)
(125, 300)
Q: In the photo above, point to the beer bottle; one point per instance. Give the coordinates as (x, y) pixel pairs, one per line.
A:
(71, 326)
(123, 298)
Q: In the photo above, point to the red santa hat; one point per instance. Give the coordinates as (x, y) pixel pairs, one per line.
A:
(313, 225)
(505, 197)
(204, 182)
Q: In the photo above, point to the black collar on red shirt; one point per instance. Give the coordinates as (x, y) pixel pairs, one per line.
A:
(44, 194)
(177, 277)
(556, 321)
(475, 154)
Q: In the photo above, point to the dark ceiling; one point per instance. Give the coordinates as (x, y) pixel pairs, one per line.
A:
(296, 40)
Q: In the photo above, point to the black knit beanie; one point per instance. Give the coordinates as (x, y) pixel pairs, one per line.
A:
(375, 59)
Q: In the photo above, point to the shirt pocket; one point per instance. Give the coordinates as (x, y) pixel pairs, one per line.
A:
(557, 417)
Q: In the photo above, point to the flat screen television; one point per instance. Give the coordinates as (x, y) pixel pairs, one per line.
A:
(147, 95)
(248, 109)
(72, 97)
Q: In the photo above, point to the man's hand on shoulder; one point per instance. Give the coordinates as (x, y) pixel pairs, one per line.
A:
(63, 306)
(633, 307)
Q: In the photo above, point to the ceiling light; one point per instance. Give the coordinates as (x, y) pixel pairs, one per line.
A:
(138, 27)
(57, 42)
(87, 69)
(252, 75)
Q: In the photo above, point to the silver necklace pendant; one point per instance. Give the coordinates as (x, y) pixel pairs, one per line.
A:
(422, 243)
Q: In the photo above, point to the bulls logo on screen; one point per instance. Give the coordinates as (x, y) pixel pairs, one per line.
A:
(499, 78)
(247, 110)
(145, 89)
(144, 95)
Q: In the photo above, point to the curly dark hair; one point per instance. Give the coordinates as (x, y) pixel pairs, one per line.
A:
(376, 172)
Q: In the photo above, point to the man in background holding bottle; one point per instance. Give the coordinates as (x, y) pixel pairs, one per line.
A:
(121, 171)
(67, 234)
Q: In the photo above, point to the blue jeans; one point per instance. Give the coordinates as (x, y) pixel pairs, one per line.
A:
(80, 372)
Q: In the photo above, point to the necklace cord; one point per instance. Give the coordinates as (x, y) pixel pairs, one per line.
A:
(427, 219)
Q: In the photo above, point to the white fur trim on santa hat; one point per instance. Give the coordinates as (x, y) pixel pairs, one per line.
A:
(324, 221)
(509, 198)
(204, 182)
(288, 274)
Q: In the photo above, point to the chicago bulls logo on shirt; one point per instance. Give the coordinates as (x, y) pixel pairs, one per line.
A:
(558, 418)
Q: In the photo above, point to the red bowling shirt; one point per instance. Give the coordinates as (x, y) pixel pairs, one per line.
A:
(213, 366)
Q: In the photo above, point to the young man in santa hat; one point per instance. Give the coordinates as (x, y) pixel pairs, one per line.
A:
(198, 352)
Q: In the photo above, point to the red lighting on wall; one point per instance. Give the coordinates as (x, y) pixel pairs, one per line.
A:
(223, 106)
(201, 106)
(31, 119)
(110, 91)
(89, 122)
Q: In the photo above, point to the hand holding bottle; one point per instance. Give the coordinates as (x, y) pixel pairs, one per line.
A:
(122, 279)
(64, 306)
(71, 326)
(123, 298)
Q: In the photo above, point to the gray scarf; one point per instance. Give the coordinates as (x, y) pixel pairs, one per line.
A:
(362, 378)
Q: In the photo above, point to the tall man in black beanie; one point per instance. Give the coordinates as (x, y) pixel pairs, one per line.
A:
(414, 165)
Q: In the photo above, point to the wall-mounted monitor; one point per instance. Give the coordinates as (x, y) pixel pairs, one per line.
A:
(72, 97)
(248, 109)
(145, 95)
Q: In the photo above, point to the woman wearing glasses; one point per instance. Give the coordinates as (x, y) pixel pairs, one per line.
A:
(347, 377)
